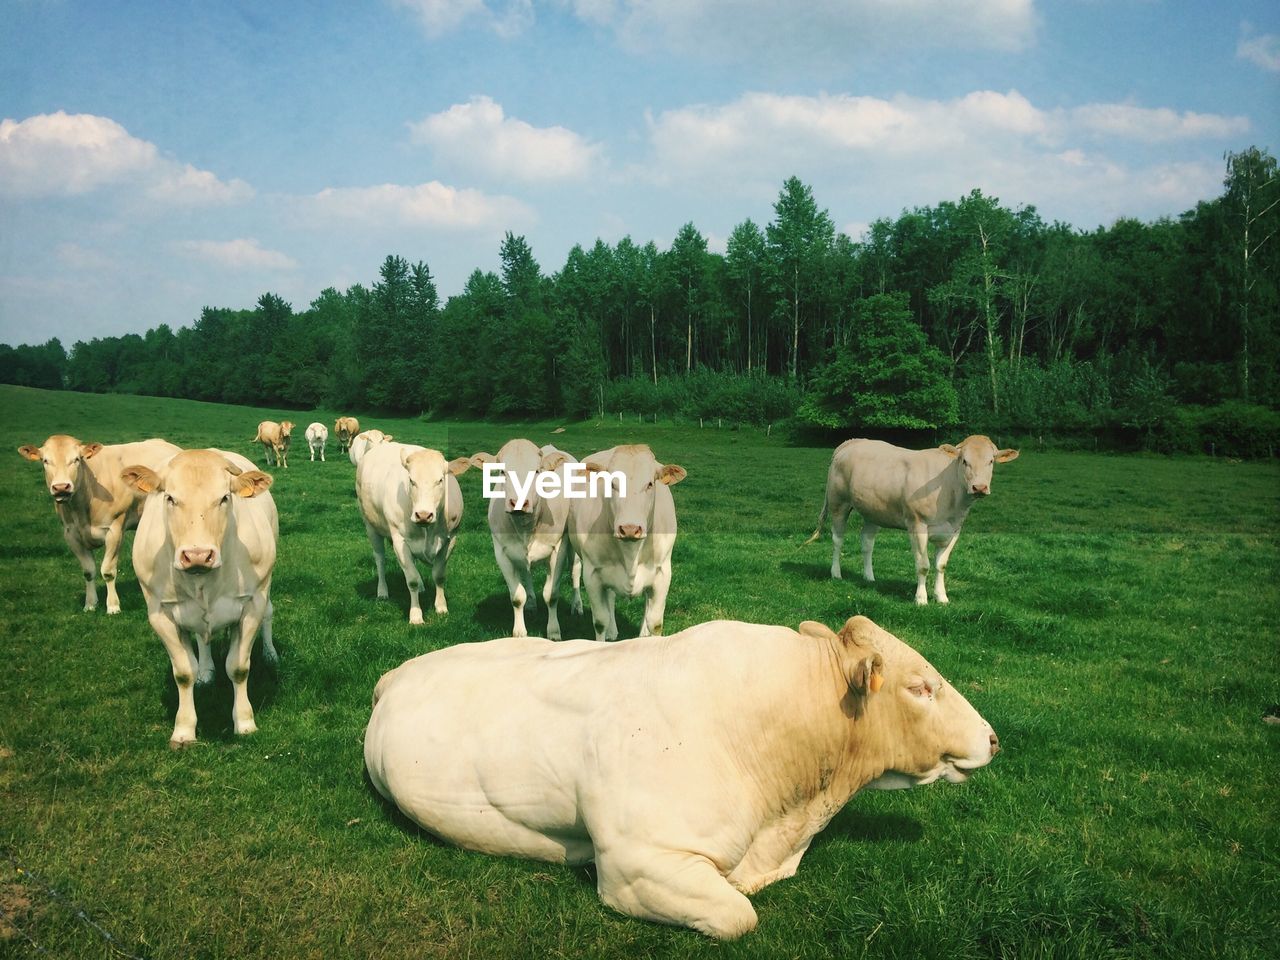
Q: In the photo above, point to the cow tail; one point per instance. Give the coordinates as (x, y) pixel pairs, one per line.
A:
(822, 519)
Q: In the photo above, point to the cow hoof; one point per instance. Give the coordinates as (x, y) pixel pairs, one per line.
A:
(90, 607)
(246, 728)
(921, 602)
(113, 610)
(181, 742)
(415, 618)
(520, 632)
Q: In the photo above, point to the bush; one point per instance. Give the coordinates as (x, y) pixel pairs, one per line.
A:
(1239, 429)
(738, 398)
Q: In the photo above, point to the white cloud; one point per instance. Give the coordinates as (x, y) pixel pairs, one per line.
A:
(441, 16)
(1125, 121)
(1262, 50)
(61, 154)
(240, 254)
(427, 204)
(478, 134)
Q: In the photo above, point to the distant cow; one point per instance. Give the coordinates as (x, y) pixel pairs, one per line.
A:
(275, 438)
(693, 769)
(411, 495)
(529, 531)
(345, 429)
(363, 441)
(204, 553)
(317, 435)
(95, 506)
(928, 493)
(625, 542)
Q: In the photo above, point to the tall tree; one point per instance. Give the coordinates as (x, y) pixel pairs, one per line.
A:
(799, 238)
(745, 264)
(1252, 201)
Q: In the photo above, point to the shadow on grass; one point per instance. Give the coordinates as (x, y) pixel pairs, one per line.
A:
(885, 587)
(862, 827)
(214, 700)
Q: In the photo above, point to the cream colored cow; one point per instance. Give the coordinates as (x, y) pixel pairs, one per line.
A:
(345, 429)
(410, 495)
(363, 441)
(204, 555)
(693, 769)
(625, 534)
(95, 506)
(317, 435)
(928, 493)
(275, 438)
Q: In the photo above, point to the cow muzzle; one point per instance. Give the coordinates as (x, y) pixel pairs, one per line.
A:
(523, 510)
(197, 559)
(61, 491)
(980, 489)
(630, 531)
(423, 517)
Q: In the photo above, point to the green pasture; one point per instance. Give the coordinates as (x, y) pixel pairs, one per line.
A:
(1114, 617)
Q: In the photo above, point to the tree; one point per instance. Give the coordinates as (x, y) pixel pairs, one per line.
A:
(799, 239)
(745, 265)
(1252, 201)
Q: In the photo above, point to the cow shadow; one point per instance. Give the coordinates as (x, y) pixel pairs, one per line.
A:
(493, 614)
(214, 699)
(884, 586)
(862, 827)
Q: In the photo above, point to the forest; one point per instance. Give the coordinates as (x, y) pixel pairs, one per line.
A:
(965, 316)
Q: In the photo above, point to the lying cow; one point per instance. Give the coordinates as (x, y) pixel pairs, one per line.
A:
(345, 429)
(95, 506)
(411, 495)
(625, 534)
(363, 441)
(531, 530)
(928, 493)
(317, 435)
(693, 769)
(275, 438)
(203, 554)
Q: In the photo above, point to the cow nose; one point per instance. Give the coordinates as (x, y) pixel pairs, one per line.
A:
(420, 516)
(981, 489)
(513, 508)
(630, 531)
(995, 744)
(196, 557)
(58, 488)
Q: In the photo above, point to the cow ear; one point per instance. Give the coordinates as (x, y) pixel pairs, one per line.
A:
(819, 631)
(949, 450)
(591, 467)
(387, 438)
(459, 465)
(251, 483)
(405, 454)
(30, 452)
(478, 460)
(1004, 456)
(88, 450)
(670, 473)
(867, 674)
(140, 478)
(552, 461)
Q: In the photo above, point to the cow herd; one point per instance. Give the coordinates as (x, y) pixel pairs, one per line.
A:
(693, 768)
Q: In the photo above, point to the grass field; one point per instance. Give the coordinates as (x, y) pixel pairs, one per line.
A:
(1113, 617)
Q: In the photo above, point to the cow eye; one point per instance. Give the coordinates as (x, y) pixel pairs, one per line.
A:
(649, 486)
(168, 499)
(440, 481)
(226, 498)
(921, 688)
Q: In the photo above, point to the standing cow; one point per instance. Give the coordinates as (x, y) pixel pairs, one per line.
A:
(928, 493)
(95, 506)
(530, 530)
(693, 769)
(317, 436)
(411, 495)
(275, 439)
(625, 533)
(204, 554)
(363, 441)
(345, 429)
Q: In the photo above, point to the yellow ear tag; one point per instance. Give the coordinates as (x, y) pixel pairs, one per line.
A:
(877, 681)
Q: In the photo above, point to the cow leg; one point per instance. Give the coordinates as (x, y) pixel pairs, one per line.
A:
(869, 531)
(515, 589)
(940, 565)
(322, 460)
(379, 544)
(313, 452)
(599, 597)
(776, 851)
(551, 589)
(268, 647)
(673, 887)
(84, 553)
(412, 578)
(184, 723)
(613, 616)
(111, 560)
(438, 564)
(238, 655)
(655, 602)
(919, 534)
(839, 520)
(575, 577)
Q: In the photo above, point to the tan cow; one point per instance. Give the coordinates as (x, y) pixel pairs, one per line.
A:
(275, 438)
(928, 493)
(95, 506)
(693, 769)
(410, 495)
(204, 554)
(345, 429)
(363, 441)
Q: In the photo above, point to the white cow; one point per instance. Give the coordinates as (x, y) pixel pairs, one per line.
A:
(363, 441)
(317, 435)
(625, 541)
(928, 493)
(204, 554)
(693, 769)
(411, 495)
(531, 530)
(95, 506)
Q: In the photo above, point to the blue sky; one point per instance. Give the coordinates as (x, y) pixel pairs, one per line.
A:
(157, 157)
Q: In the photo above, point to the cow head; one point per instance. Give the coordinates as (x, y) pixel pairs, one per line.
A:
(363, 441)
(523, 460)
(925, 727)
(62, 457)
(286, 429)
(977, 457)
(194, 490)
(428, 470)
(632, 506)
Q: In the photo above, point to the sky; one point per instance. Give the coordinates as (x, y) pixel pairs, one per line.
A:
(160, 157)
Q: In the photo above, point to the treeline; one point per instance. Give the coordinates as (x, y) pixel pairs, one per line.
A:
(968, 314)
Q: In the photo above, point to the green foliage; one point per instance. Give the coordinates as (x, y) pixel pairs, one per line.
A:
(705, 394)
(29, 366)
(886, 376)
